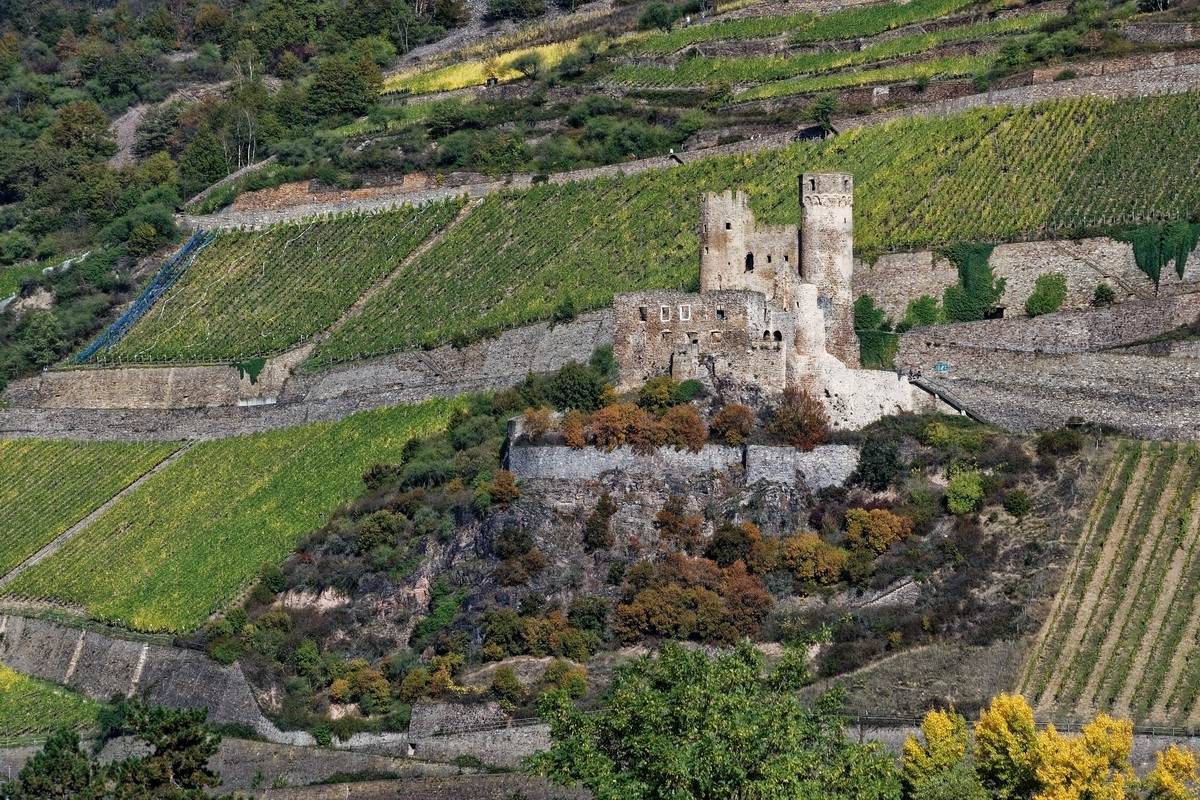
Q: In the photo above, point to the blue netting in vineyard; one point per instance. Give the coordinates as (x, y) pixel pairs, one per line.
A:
(167, 275)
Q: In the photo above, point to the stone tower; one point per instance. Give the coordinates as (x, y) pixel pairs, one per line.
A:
(827, 255)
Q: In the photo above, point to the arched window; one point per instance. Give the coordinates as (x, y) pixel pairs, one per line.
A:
(778, 336)
(749, 262)
(766, 336)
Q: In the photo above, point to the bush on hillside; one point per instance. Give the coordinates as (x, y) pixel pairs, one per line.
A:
(1049, 292)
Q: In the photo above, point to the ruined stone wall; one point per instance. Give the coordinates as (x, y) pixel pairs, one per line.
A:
(895, 279)
(737, 253)
(668, 332)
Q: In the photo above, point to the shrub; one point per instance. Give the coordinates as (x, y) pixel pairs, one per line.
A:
(503, 489)
(597, 533)
(658, 15)
(1017, 503)
(536, 422)
(964, 492)
(506, 685)
(1059, 442)
(575, 386)
(658, 394)
(415, 684)
(876, 529)
(813, 560)
(801, 420)
(684, 429)
(733, 423)
(878, 464)
(573, 425)
(529, 65)
(1103, 296)
(730, 543)
(572, 678)
(677, 526)
(1049, 292)
(946, 436)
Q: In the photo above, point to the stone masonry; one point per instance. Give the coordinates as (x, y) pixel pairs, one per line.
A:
(775, 309)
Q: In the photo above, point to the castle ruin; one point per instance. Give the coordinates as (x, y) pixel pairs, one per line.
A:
(775, 309)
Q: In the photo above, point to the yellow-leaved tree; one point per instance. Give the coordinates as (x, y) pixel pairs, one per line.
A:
(941, 767)
(1174, 776)
(1093, 765)
(1006, 746)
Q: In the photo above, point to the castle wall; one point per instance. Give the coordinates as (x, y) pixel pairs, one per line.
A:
(828, 465)
(746, 339)
(737, 253)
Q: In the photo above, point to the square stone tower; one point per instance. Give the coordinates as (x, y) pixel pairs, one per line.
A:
(827, 255)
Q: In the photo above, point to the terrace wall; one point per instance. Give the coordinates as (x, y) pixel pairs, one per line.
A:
(1039, 373)
(896, 278)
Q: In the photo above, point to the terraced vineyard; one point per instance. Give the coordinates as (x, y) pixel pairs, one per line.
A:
(194, 533)
(48, 486)
(251, 293)
(702, 71)
(1122, 633)
(31, 706)
(988, 174)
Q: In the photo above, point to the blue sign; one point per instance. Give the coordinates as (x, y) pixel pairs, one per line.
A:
(941, 367)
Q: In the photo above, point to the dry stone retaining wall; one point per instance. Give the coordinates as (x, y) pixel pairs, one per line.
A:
(100, 666)
(1164, 80)
(1039, 373)
(1161, 32)
(81, 406)
(961, 344)
(896, 278)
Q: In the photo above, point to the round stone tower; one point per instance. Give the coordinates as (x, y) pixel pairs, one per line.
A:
(827, 255)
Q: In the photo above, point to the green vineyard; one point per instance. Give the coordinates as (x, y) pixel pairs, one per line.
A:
(251, 293)
(988, 175)
(31, 706)
(701, 71)
(194, 533)
(852, 23)
(1122, 633)
(51, 485)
